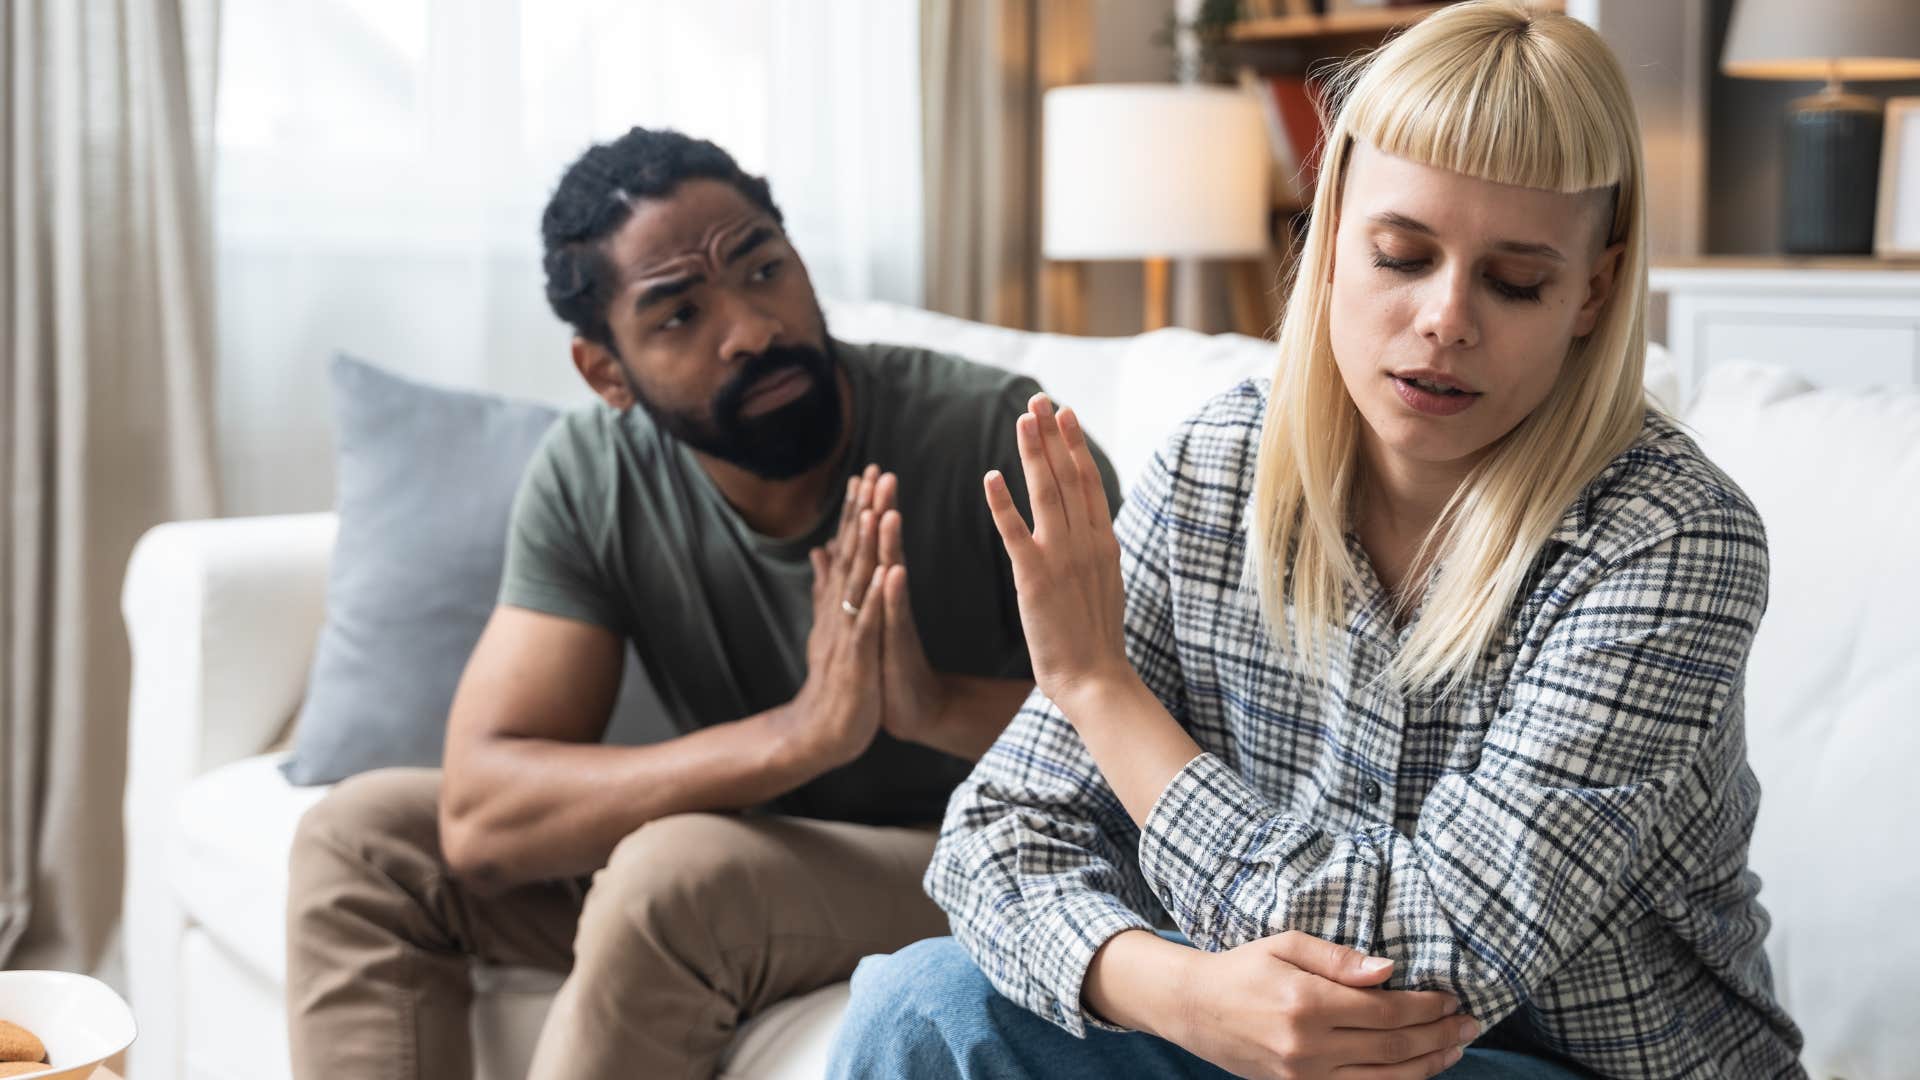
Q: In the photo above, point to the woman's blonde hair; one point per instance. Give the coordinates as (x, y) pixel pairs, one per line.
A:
(1494, 90)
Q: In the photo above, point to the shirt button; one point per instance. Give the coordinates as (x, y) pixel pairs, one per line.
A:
(1370, 791)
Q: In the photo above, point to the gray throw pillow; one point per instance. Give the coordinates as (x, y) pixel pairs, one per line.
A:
(425, 480)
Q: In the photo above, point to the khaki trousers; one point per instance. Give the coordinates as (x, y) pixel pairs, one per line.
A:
(696, 922)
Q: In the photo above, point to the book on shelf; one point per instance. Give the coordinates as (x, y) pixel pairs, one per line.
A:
(1291, 108)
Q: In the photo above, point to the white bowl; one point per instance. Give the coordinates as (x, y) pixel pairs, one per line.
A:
(81, 1020)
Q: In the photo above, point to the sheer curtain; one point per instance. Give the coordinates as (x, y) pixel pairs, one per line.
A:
(106, 325)
(381, 166)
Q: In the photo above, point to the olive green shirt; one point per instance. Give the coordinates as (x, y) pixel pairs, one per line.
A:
(617, 524)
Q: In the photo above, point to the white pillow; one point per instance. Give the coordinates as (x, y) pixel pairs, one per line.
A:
(1833, 700)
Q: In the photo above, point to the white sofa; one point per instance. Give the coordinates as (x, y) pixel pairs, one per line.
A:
(223, 616)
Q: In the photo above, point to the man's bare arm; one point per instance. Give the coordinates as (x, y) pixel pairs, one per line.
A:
(530, 793)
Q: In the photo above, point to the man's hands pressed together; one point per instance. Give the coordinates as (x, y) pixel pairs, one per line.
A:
(838, 708)
(867, 670)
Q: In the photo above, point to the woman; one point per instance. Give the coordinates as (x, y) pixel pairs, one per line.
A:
(1409, 689)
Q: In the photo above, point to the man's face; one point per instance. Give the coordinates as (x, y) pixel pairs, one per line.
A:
(718, 334)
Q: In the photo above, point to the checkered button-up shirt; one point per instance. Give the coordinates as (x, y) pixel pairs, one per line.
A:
(1562, 842)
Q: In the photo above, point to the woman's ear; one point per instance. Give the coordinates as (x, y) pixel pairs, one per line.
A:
(600, 367)
(1600, 282)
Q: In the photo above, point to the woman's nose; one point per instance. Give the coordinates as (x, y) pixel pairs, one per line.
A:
(1446, 316)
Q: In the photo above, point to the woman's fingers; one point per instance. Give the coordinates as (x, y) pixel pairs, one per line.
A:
(1043, 493)
(1420, 1068)
(1006, 517)
(1066, 476)
(1092, 486)
(1357, 1046)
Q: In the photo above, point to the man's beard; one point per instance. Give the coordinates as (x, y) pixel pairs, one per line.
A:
(776, 445)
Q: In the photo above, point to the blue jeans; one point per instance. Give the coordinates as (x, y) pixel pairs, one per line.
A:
(927, 1013)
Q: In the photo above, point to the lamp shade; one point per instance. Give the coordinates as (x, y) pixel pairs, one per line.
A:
(1843, 39)
(1153, 171)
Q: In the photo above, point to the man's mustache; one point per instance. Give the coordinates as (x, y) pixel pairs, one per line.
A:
(777, 360)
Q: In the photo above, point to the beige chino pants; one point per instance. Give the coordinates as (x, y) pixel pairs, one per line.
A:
(697, 922)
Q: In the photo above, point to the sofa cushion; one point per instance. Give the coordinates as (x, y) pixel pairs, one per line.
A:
(1830, 699)
(427, 477)
(426, 480)
(227, 857)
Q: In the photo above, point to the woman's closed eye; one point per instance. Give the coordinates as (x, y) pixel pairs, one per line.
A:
(1509, 290)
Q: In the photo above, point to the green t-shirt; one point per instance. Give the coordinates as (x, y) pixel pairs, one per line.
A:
(616, 524)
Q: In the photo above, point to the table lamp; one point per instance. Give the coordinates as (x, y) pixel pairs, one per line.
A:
(1832, 149)
(1153, 172)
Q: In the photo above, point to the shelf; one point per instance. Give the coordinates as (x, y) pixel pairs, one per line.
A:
(1361, 22)
(1786, 262)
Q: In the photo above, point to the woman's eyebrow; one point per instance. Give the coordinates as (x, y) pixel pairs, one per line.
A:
(1394, 219)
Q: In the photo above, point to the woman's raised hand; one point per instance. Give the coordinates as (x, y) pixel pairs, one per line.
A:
(1067, 568)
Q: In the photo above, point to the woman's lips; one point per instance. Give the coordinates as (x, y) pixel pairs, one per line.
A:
(1429, 402)
(775, 390)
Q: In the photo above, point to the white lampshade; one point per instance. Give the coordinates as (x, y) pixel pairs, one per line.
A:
(1845, 39)
(1153, 171)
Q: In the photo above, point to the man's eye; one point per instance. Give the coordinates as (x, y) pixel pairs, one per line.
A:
(681, 316)
(766, 272)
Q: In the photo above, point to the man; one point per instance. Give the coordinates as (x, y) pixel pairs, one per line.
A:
(749, 528)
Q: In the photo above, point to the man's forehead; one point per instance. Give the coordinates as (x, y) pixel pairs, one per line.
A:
(689, 226)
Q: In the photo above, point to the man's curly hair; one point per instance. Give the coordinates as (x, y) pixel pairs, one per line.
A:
(596, 197)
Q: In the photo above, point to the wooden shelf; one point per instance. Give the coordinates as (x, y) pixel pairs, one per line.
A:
(1362, 22)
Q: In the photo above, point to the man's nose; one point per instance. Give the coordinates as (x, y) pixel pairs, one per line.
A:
(750, 330)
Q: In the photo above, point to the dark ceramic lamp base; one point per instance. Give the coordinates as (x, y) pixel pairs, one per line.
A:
(1832, 169)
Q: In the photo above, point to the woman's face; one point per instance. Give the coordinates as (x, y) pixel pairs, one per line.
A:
(1443, 278)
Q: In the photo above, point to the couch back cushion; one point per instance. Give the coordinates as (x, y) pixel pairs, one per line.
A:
(1131, 391)
(1833, 699)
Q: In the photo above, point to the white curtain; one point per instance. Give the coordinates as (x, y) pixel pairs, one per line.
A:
(381, 167)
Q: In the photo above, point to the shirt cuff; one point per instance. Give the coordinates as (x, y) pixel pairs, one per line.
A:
(1062, 946)
(1205, 818)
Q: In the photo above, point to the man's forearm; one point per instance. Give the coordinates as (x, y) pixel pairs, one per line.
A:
(516, 810)
(973, 711)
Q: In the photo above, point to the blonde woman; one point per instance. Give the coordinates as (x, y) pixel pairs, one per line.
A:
(1409, 687)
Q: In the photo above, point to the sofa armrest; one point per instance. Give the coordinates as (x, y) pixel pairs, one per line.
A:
(222, 617)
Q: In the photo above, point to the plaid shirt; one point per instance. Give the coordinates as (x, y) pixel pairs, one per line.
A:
(1563, 842)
